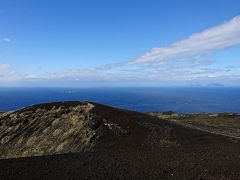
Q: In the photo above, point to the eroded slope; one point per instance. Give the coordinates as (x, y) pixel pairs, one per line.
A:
(43, 131)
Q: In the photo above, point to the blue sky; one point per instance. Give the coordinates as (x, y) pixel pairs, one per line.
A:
(119, 43)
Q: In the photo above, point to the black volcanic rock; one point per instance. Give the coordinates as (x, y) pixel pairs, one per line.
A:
(94, 141)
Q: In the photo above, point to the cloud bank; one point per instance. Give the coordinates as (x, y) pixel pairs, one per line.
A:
(91, 77)
(212, 39)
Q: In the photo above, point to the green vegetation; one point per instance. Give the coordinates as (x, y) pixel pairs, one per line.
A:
(217, 122)
(223, 123)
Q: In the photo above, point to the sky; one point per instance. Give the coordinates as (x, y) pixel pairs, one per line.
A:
(88, 43)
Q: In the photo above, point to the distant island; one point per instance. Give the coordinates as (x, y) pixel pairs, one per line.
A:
(214, 85)
(208, 85)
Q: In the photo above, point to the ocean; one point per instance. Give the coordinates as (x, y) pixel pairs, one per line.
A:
(181, 100)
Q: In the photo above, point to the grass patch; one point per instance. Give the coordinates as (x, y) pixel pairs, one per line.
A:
(231, 123)
(167, 143)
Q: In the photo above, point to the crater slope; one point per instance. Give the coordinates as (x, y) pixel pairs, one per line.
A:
(94, 141)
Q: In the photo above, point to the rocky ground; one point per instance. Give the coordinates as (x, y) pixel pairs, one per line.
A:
(92, 141)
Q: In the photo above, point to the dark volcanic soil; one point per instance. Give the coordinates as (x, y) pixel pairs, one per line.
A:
(92, 141)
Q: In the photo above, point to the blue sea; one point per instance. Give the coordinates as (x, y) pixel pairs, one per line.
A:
(181, 100)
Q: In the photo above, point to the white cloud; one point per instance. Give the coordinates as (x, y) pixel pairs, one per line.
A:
(212, 39)
(186, 60)
(4, 67)
(7, 40)
(8, 73)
